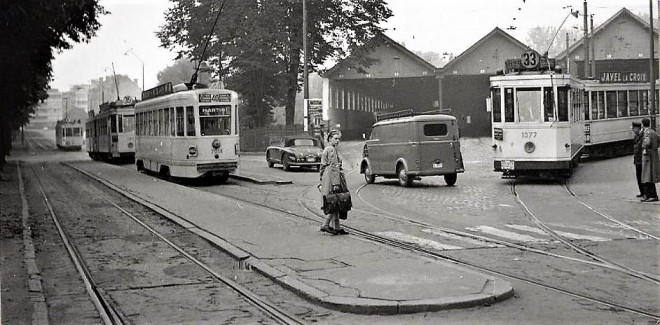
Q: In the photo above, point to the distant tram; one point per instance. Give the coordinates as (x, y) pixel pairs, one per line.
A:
(69, 134)
(543, 121)
(187, 132)
(110, 134)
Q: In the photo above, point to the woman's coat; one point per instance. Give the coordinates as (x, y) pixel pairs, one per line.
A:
(650, 161)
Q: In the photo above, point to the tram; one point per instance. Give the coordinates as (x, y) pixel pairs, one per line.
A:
(544, 121)
(69, 134)
(110, 134)
(187, 131)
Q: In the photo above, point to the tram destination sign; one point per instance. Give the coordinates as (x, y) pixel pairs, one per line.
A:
(157, 91)
(222, 110)
(208, 98)
(623, 77)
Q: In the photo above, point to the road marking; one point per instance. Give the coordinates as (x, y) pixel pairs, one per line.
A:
(569, 235)
(506, 234)
(417, 240)
(475, 242)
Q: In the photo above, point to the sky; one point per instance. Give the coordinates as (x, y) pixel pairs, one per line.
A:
(127, 35)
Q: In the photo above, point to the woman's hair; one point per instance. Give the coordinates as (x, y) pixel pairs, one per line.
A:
(332, 133)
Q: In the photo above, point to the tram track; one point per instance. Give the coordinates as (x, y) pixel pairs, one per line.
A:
(108, 310)
(605, 262)
(317, 217)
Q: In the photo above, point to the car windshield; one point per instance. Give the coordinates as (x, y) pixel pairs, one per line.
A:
(302, 142)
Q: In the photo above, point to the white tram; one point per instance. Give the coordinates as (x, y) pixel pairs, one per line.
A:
(187, 132)
(110, 134)
(69, 134)
(543, 121)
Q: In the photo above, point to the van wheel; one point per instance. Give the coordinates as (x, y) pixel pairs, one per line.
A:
(368, 176)
(450, 179)
(404, 179)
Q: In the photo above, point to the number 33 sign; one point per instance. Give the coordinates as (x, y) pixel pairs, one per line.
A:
(530, 59)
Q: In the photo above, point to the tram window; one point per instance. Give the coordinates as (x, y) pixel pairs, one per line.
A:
(190, 121)
(166, 122)
(68, 132)
(643, 102)
(179, 121)
(633, 102)
(548, 105)
(529, 104)
(496, 96)
(562, 104)
(610, 104)
(113, 124)
(129, 123)
(215, 120)
(585, 104)
(172, 122)
(120, 124)
(77, 132)
(601, 105)
(508, 105)
(622, 104)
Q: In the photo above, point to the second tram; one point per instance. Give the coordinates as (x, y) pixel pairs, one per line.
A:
(110, 134)
(187, 131)
(69, 134)
(543, 121)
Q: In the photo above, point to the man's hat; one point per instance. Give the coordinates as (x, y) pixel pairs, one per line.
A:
(637, 124)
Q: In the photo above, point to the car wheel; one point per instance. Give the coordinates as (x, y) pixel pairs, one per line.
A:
(368, 176)
(270, 162)
(404, 179)
(450, 179)
(285, 163)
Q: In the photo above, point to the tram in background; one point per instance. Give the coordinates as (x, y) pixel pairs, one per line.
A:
(543, 121)
(110, 134)
(187, 131)
(69, 134)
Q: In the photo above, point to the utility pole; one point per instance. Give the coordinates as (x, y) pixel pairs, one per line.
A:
(593, 47)
(586, 42)
(305, 71)
(652, 66)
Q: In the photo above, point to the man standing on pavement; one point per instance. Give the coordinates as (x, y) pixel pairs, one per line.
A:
(637, 155)
(650, 162)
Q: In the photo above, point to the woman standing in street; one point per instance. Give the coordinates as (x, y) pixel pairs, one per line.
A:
(332, 180)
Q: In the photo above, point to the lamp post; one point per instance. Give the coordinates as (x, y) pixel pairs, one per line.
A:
(136, 56)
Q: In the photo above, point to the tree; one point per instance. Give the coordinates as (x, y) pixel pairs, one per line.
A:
(179, 72)
(30, 31)
(257, 45)
(539, 38)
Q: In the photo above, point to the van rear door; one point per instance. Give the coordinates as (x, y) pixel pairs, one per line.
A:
(438, 147)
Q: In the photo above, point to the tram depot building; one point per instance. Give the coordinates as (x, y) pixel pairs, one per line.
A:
(397, 79)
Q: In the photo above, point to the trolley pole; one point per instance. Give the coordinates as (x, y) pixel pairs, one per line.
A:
(652, 66)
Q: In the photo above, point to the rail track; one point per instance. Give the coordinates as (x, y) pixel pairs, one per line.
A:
(315, 216)
(108, 311)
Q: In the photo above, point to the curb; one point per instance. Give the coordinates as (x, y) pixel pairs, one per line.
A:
(259, 181)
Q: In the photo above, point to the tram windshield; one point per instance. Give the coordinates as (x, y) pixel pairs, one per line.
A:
(529, 104)
(215, 120)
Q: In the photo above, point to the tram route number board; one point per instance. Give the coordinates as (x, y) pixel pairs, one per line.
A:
(508, 164)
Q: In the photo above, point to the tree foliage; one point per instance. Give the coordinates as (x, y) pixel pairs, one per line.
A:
(539, 39)
(30, 31)
(257, 45)
(179, 72)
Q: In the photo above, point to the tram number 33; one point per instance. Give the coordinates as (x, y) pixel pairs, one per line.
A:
(530, 59)
(528, 135)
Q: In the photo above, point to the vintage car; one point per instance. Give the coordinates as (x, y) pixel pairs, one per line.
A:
(301, 151)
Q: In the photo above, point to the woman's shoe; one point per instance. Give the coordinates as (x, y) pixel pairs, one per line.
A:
(342, 231)
(325, 229)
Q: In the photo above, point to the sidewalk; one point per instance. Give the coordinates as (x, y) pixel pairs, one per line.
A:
(340, 272)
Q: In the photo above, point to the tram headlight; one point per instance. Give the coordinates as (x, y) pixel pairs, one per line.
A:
(192, 151)
(216, 144)
(529, 147)
(130, 145)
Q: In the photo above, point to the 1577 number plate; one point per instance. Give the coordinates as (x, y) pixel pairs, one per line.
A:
(508, 164)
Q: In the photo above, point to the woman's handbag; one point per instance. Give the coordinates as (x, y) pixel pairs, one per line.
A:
(337, 203)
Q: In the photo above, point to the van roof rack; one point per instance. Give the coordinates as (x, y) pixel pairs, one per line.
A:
(407, 113)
